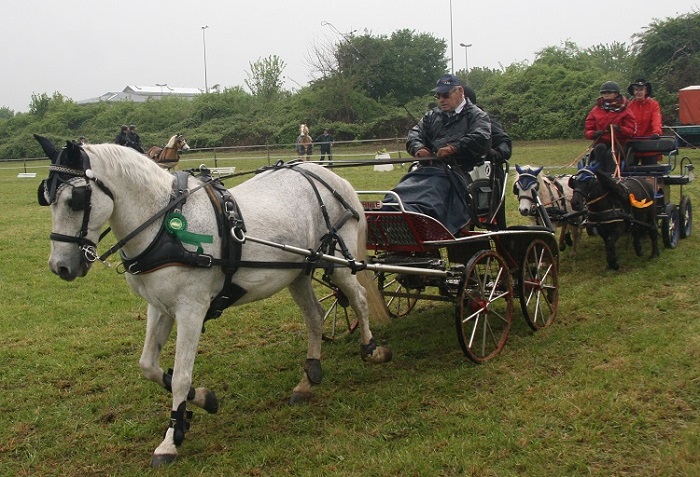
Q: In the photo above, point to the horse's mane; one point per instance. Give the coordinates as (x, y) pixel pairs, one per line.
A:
(113, 160)
(172, 142)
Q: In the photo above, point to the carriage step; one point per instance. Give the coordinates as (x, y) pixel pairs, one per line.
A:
(676, 180)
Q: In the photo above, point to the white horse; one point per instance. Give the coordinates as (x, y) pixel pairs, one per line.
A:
(555, 194)
(94, 185)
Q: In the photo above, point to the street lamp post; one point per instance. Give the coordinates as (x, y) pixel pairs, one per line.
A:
(204, 45)
(452, 48)
(466, 60)
(161, 87)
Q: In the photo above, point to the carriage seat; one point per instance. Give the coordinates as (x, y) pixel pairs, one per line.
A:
(648, 170)
(662, 145)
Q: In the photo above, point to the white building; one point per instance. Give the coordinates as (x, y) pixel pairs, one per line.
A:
(140, 94)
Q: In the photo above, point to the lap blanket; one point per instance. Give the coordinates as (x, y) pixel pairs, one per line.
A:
(431, 191)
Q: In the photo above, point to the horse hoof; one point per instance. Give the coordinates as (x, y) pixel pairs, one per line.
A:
(299, 398)
(211, 403)
(159, 460)
(614, 266)
(382, 354)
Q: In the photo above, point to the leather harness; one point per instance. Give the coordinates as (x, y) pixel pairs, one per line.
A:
(167, 250)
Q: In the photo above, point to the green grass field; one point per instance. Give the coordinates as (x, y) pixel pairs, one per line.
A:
(612, 388)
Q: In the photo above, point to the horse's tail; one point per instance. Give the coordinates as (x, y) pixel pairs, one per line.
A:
(375, 303)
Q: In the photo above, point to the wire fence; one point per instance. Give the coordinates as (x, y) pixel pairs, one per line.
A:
(272, 153)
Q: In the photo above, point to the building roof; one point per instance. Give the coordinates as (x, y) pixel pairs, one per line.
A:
(158, 90)
(141, 94)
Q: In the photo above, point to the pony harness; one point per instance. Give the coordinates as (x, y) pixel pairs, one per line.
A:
(167, 248)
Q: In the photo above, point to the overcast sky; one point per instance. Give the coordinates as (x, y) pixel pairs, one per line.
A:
(84, 48)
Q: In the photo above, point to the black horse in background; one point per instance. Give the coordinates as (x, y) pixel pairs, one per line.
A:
(615, 207)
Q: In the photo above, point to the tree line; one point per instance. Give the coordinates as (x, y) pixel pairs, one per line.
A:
(371, 86)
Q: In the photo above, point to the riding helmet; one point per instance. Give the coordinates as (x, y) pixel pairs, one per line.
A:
(610, 86)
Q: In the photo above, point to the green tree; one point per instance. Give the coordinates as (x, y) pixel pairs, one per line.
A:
(395, 68)
(668, 55)
(6, 113)
(265, 77)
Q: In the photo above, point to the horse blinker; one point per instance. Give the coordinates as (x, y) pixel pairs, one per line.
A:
(79, 198)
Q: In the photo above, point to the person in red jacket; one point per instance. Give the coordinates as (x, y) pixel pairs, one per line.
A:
(647, 112)
(610, 119)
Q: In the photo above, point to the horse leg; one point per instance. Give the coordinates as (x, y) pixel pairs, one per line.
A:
(654, 243)
(653, 236)
(610, 251)
(562, 238)
(158, 328)
(189, 328)
(637, 241)
(303, 295)
(350, 285)
(576, 231)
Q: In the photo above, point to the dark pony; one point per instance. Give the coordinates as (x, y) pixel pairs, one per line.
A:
(616, 206)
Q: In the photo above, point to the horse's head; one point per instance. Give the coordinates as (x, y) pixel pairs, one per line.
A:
(303, 130)
(527, 181)
(585, 185)
(78, 213)
(181, 143)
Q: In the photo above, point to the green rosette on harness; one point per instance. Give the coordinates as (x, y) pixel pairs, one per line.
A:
(176, 224)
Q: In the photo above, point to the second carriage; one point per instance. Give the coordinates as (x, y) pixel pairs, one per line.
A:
(481, 272)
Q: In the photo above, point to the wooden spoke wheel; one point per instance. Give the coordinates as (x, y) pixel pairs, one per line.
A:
(538, 285)
(484, 312)
(338, 315)
(399, 292)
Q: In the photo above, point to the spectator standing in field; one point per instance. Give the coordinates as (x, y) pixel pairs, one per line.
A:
(123, 137)
(325, 141)
(135, 139)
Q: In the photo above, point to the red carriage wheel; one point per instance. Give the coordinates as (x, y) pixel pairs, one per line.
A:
(539, 285)
(336, 306)
(484, 312)
(400, 292)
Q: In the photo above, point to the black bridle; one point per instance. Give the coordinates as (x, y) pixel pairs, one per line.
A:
(62, 176)
(583, 185)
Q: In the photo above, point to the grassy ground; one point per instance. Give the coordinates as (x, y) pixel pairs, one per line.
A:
(611, 389)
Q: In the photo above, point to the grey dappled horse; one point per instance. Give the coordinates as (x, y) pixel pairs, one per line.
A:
(94, 185)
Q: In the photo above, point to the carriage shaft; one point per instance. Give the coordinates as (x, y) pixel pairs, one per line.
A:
(375, 267)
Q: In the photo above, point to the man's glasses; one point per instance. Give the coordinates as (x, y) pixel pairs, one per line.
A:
(443, 95)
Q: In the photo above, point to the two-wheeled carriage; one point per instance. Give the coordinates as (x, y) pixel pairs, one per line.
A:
(675, 219)
(481, 271)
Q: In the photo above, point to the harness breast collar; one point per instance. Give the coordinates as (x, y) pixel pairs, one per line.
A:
(167, 250)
